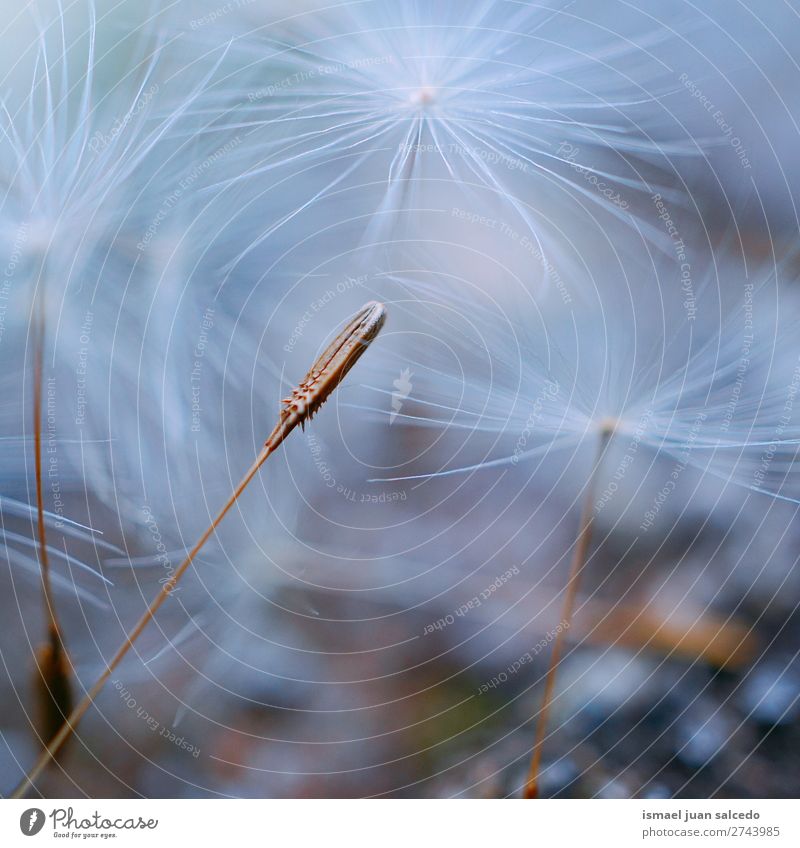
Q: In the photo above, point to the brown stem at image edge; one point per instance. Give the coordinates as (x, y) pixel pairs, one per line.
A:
(52, 677)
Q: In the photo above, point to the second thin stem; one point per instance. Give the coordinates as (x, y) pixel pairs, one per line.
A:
(579, 556)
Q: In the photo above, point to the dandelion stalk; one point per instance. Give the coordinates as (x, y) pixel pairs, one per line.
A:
(325, 375)
(582, 544)
(52, 682)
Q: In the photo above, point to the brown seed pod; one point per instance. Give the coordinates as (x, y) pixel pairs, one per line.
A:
(52, 683)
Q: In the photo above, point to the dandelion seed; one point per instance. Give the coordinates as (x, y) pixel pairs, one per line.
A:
(90, 159)
(525, 109)
(73, 159)
(715, 389)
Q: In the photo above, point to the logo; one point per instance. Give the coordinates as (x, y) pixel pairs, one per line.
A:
(31, 821)
(403, 389)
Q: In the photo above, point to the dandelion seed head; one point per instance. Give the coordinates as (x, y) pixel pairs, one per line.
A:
(96, 179)
(502, 107)
(424, 97)
(713, 389)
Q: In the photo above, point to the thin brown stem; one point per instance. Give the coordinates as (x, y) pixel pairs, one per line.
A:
(52, 681)
(326, 373)
(38, 368)
(579, 555)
